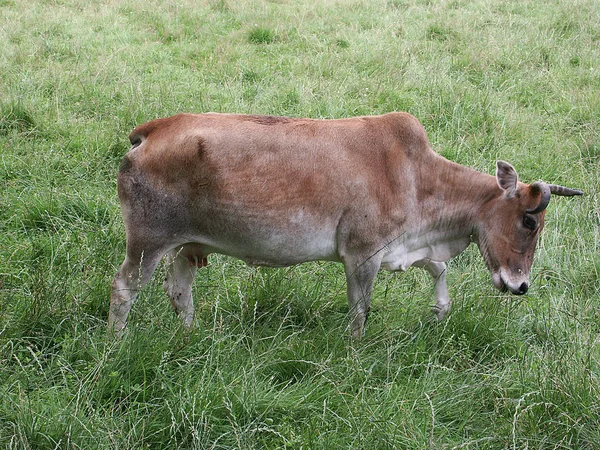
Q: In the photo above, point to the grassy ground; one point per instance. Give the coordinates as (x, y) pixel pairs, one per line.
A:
(269, 364)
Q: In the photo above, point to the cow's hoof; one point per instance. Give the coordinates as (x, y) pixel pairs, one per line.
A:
(441, 311)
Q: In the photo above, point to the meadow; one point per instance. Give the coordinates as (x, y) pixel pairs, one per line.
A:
(270, 363)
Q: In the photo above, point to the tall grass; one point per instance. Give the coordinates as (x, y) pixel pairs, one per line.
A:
(269, 363)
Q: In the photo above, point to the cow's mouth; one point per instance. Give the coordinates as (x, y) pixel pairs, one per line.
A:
(503, 286)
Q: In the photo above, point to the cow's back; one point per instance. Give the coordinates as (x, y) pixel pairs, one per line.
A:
(275, 160)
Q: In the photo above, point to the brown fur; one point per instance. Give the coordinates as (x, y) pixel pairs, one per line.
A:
(280, 191)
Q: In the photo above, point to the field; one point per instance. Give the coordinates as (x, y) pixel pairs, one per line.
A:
(270, 363)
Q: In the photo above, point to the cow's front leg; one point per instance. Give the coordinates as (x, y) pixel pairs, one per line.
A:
(437, 270)
(360, 276)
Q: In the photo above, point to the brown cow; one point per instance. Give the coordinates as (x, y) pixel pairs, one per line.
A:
(368, 192)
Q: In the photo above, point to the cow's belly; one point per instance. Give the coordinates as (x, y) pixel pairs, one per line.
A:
(280, 250)
(268, 244)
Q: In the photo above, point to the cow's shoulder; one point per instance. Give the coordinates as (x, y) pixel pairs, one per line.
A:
(408, 131)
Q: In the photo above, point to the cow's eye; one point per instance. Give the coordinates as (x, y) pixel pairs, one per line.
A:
(529, 222)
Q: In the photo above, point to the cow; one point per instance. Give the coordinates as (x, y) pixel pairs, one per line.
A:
(368, 192)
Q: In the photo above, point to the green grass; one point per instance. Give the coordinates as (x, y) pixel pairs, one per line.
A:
(269, 363)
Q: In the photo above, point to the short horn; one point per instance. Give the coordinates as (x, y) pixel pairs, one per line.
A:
(542, 187)
(564, 191)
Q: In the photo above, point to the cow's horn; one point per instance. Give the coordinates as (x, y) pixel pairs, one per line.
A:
(564, 191)
(544, 200)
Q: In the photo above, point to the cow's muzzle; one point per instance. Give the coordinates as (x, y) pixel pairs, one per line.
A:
(504, 283)
(522, 289)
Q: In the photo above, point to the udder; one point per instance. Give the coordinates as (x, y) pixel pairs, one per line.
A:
(196, 254)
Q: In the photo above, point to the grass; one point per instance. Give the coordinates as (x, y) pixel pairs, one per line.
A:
(269, 363)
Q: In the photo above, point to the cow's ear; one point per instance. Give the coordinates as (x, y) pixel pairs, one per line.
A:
(507, 178)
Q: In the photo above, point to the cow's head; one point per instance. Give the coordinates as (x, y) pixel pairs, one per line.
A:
(511, 226)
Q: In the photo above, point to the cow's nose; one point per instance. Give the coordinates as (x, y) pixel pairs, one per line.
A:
(523, 289)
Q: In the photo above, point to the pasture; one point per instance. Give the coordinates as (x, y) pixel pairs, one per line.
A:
(270, 363)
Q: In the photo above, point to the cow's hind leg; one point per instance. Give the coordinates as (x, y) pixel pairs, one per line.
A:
(437, 270)
(137, 269)
(181, 270)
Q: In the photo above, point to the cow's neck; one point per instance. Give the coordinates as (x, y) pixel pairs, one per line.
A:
(449, 202)
(456, 195)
